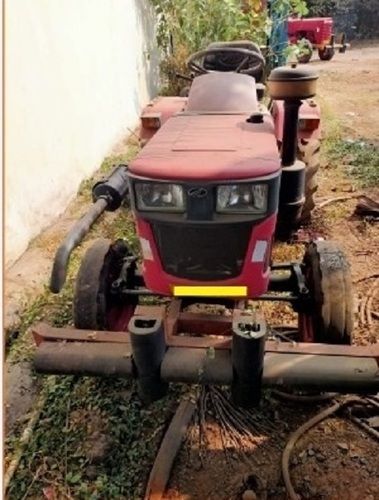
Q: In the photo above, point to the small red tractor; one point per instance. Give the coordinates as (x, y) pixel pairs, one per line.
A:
(218, 174)
(315, 33)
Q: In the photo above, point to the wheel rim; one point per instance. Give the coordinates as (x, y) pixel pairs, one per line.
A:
(116, 312)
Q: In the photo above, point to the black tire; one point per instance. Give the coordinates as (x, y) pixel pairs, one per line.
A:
(307, 53)
(309, 153)
(328, 278)
(326, 54)
(100, 266)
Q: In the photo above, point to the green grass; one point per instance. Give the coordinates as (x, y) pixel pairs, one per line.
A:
(57, 455)
(359, 159)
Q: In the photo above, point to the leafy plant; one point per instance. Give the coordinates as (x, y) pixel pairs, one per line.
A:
(187, 26)
(294, 51)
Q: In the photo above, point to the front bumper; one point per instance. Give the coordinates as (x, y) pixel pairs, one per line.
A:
(207, 359)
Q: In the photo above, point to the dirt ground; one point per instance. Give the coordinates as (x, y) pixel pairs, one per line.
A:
(335, 460)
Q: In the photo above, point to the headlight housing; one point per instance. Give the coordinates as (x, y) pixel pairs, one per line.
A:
(242, 198)
(159, 196)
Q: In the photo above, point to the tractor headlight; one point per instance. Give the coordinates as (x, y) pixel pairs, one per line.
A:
(242, 198)
(159, 196)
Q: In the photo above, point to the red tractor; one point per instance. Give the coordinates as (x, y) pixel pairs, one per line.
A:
(217, 175)
(315, 33)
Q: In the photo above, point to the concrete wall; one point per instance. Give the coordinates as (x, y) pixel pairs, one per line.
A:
(76, 75)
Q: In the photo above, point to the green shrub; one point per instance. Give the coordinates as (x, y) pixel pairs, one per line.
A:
(187, 26)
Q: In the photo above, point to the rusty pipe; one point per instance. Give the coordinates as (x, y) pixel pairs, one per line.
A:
(339, 373)
(84, 358)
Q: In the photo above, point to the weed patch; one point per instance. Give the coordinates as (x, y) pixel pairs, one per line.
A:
(77, 413)
(359, 159)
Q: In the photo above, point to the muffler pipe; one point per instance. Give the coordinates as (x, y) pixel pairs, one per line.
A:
(291, 85)
(290, 131)
(108, 195)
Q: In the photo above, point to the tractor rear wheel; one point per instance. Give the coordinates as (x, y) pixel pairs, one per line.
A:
(306, 51)
(309, 153)
(326, 54)
(95, 307)
(327, 273)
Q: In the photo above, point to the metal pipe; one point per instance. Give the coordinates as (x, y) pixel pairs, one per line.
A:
(139, 291)
(72, 240)
(84, 358)
(277, 298)
(328, 373)
(197, 365)
(303, 371)
(290, 131)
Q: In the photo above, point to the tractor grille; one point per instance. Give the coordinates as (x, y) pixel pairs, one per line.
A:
(204, 253)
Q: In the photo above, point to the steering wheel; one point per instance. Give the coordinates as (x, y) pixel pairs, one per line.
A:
(251, 61)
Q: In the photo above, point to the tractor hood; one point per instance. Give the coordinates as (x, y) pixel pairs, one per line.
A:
(201, 147)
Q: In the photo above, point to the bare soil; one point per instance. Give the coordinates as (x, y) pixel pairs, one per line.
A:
(335, 460)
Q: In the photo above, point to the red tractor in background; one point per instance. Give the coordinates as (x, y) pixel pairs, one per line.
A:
(315, 33)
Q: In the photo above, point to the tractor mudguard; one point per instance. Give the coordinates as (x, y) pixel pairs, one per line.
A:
(156, 113)
(309, 120)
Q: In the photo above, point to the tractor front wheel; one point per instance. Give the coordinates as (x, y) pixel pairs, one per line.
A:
(96, 306)
(326, 54)
(330, 315)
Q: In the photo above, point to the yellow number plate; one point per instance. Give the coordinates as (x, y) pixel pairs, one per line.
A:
(210, 291)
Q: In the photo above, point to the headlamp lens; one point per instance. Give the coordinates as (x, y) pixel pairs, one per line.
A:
(242, 198)
(159, 196)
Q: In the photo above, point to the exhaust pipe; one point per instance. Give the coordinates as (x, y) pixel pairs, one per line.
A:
(291, 85)
(290, 131)
(107, 195)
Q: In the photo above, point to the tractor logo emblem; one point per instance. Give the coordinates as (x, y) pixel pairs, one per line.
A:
(197, 192)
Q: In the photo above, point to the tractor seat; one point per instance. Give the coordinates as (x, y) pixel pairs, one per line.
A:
(229, 62)
(223, 93)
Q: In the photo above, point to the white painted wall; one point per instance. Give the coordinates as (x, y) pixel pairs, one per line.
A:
(76, 75)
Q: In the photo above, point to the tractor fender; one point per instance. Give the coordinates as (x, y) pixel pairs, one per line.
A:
(309, 120)
(159, 110)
